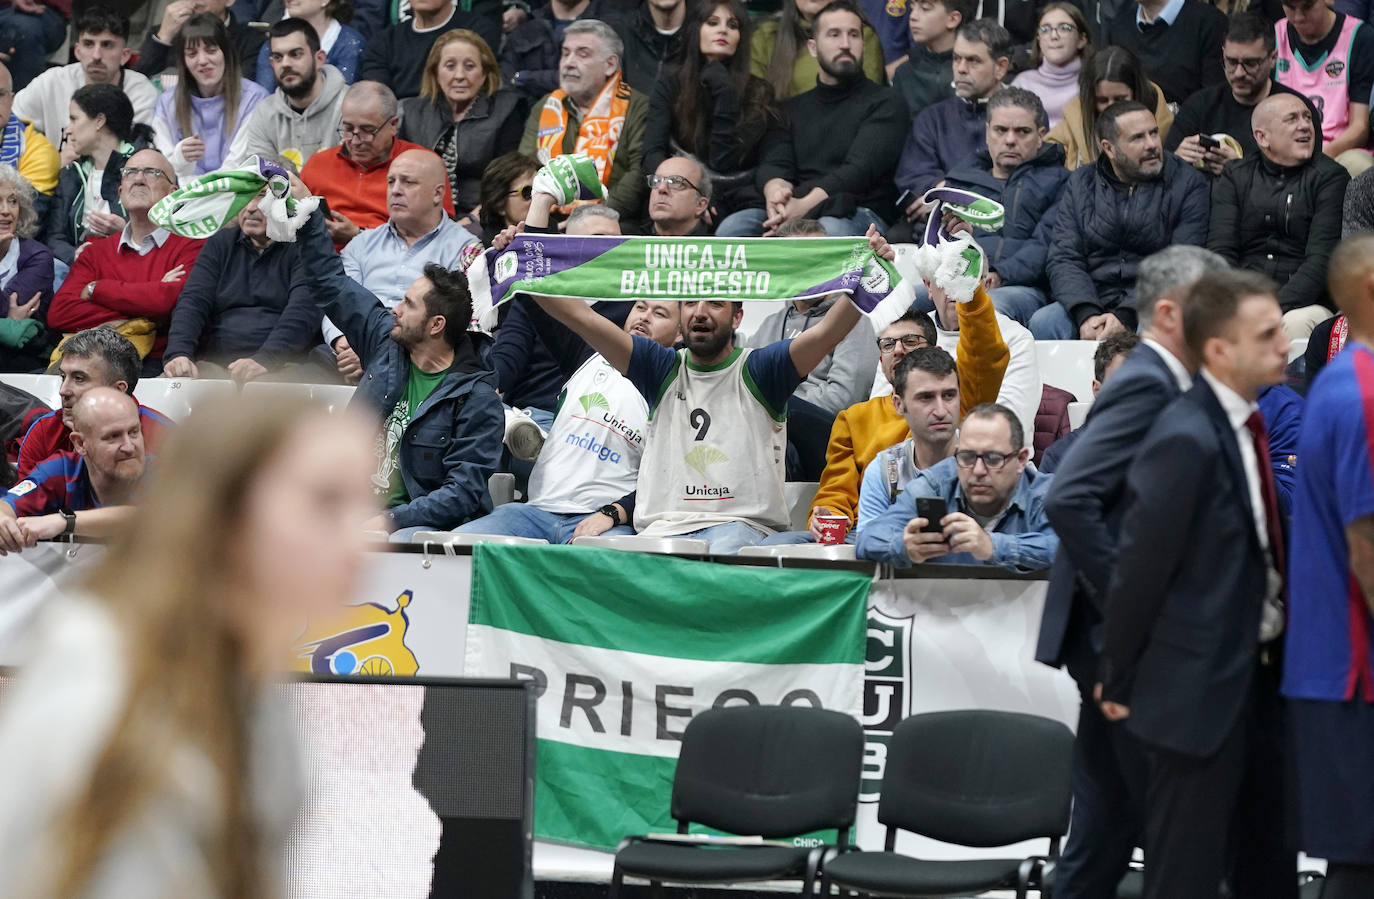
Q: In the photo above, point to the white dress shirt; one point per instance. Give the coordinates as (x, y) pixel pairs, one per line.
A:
(1176, 367)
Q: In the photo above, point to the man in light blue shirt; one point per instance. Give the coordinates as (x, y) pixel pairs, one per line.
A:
(387, 260)
(994, 501)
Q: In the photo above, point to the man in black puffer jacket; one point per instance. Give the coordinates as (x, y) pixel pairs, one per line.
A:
(1134, 201)
(1278, 212)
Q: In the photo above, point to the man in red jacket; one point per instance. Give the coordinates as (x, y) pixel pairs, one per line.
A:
(133, 277)
(352, 176)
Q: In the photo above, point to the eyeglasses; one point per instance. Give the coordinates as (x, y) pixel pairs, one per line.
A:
(674, 182)
(994, 461)
(910, 341)
(1064, 28)
(1250, 65)
(524, 193)
(150, 173)
(361, 132)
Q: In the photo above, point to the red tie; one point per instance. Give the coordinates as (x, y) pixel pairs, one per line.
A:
(1268, 492)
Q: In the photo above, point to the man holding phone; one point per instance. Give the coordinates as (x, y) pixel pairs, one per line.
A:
(989, 501)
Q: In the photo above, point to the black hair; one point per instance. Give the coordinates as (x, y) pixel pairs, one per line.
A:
(930, 359)
(99, 19)
(292, 25)
(449, 296)
(108, 344)
(1248, 27)
(1119, 344)
(109, 101)
(1106, 123)
(922, 321)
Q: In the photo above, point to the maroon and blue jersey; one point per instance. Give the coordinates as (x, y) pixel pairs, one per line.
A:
(1328, 650)
(58, 482)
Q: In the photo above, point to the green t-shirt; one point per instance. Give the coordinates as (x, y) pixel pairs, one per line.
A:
(388, 481)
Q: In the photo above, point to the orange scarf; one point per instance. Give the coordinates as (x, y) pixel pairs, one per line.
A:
(598, 133)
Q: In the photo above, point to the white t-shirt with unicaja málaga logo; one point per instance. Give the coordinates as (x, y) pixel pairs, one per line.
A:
(592, 455)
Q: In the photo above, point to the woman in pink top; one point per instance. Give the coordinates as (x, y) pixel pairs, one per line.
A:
(1061, 45)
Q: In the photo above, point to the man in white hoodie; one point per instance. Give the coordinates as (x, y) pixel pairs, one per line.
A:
(303, 114)
(101, 51)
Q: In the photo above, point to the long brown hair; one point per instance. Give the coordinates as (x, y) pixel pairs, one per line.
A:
(791, 39)
(1110, 64)
(429, 83)
(165, 580)
(691, 125)
(204, 28)
(1079, 21)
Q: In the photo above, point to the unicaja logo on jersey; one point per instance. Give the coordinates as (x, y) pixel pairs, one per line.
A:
(506, 266)
(592, 401)
(702, 457)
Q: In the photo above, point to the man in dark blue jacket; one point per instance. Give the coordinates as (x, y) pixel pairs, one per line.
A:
(1026, 175)
(947, 133)
(433, 395)
(1134, 201)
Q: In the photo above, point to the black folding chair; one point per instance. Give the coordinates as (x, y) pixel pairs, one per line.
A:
(769, 771)
(972, 778)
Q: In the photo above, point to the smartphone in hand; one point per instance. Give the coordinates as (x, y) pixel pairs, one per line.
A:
(932, 509)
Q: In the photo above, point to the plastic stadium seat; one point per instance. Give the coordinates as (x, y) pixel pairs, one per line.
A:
(334, 397)
(843, 552)
(176, 397)
(1067, 364)
(448, 538)
(44, 387)
(799, 496)
(1299, 347)
(680, 546)
(1078, 413)
(501, 487)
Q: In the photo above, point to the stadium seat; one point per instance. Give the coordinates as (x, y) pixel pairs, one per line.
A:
(799, 495)
(448, 538)
(1078, 413)
(843, 552)
(177, 397)
(334, 397)
(501, 488)
(44, 387)
(774, 772)
(1299, 347)
(968, 778)
(677, 546)
(1067, 364)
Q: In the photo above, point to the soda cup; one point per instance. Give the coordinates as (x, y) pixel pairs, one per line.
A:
(832, 528)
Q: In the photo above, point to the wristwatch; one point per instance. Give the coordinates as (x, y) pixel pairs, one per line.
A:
(611, 512)
(71, 521)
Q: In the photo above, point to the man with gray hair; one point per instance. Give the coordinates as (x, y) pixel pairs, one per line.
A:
(679, 197)
(1016, 163)
(97, 357)
(593, 112)
(352, 175)
(1085, 505)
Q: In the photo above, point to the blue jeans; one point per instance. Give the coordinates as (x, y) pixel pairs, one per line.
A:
(727, 539)
(749, 223)
(524, 520)
(33, 38)
(1019, 303)
(1053, 323)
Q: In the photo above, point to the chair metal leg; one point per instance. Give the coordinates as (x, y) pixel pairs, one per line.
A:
(616, 877)
(656, 887)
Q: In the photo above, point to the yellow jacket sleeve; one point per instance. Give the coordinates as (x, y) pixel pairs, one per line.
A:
(839, 487)
(39, 164)
(982, 354)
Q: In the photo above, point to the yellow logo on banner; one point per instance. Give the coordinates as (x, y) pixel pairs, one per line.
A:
(362, 639)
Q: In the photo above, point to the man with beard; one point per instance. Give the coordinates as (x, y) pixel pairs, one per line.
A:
(303, 114)
(101, 50)
(1135, 200)
(81, 491)
(713, 464)
(1278, 211)
(831, 155)
(441, 422)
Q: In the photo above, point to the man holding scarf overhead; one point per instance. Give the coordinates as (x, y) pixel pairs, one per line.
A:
(594, 113)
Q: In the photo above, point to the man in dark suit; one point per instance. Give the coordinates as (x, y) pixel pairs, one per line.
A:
(1084, 506)
(1194, 613)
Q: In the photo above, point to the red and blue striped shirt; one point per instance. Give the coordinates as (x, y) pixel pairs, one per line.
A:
(58, 482)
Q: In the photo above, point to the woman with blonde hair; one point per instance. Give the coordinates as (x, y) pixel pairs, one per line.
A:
(1113, 74)
(1062, 43)
(194, 123)
(140, 752)
(463, 113)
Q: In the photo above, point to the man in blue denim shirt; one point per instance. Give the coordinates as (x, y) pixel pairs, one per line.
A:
(995, 504)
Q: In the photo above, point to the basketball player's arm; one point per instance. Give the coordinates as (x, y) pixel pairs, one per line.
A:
(599, 332)
(1359, 541)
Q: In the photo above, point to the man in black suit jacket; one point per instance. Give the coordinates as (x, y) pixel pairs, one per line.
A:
(1194, 612)
(1084, 505)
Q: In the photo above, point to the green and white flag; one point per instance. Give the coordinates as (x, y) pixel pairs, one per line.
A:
(205, 204)
(622, 662)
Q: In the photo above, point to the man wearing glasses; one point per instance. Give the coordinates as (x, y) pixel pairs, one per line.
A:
(132, 279)
(352, 176)
(1247, 57)
(994, 504)
(679, 198)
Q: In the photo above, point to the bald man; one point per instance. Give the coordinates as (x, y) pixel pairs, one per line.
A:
(416, 232)
(353, 175)
(134, 277)
(1328, 675)
(84, 491)
(1278, 212)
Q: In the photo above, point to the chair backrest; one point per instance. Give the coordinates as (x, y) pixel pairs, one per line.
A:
(799, 496)
(1067, 364)
(770, 771)
(978, 777)
(45, 387)
(176, 397)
